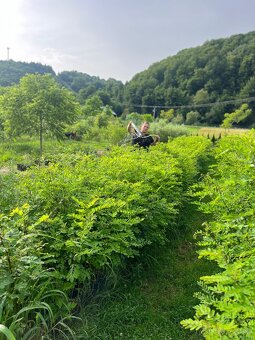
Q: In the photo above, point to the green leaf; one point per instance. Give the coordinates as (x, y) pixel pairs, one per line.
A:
(4, 330)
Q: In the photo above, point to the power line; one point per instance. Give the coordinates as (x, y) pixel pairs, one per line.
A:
(233, 101)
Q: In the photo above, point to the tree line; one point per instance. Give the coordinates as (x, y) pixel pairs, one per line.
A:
(217, 71)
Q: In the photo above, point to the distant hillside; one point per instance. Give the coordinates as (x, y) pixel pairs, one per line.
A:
(219, 70)
(11, 71)
(110, 91)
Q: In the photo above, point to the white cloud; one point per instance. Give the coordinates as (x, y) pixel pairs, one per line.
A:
(114, 38)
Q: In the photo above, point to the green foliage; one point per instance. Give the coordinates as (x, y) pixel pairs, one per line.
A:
(201, 97)
(118, 208)
(38, 106)
(8, 193)
(218, 70)
(194, 154)
(168, 115)
(9, 335)
(226, 308)
(109, 91)
(135, 117)
(101, 128)
(30, 306)
(86, 215)
(178, 119)
(92, 107)
(154, 295)
(167, 131)
(236, 117)
(87, 192)
(193, 118)
(11, 71)
(147, 117)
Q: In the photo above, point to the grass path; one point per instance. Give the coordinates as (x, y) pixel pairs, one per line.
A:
(159, 295)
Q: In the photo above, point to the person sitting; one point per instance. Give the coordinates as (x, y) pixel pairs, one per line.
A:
(141, 137)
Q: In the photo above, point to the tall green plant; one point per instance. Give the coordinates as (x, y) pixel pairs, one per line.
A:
(38, 106)
(226, 309)
(29, 305)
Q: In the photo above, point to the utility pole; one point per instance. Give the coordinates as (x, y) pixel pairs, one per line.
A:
(154, 112)
(8, 53)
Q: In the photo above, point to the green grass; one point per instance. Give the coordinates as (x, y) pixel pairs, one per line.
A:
(155, 296)
(27, 150)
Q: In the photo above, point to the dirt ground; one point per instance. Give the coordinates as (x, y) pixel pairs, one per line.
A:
(4, 170)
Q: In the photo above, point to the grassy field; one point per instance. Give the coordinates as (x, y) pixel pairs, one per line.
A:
(220, 132)
(25, 150)
(156, 295)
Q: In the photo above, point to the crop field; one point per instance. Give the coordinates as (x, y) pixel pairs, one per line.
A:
(104, 234)
(217, 131)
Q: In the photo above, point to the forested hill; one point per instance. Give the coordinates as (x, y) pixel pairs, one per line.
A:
(219, 70)
(110, 91)
(11, 71)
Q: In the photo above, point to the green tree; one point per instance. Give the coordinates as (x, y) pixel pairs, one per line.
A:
(192, 118)
(169, 115)
(178, 119)
(38, 106)
(237, 116)
(92, 107)
(201, 97)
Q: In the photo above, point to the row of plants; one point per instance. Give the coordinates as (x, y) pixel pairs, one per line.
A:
(82, 216)
(226, 309)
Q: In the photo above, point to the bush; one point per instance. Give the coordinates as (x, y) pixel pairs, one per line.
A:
(226, 309)
(167, 130)
(31, 306)
(88, 214)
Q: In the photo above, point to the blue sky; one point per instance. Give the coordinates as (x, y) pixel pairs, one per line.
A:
(115, 38)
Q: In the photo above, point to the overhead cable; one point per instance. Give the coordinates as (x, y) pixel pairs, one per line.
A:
(233, 101)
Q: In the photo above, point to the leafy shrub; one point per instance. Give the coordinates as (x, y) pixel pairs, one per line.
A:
(194, 154)
(89, 213)
(30, 303)
(226, 309)
(167, 130)
(103, 208)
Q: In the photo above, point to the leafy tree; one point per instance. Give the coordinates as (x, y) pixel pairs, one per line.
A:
(214, 72)
(12, 71)
(38, 105)
(147, 117)
(92, 107)
(135, 117)
(236, 116)
(168, 115)
(249, 91)
(201, 97)
(217, 71)
(102, 120)
(178, 119)
(192, 118)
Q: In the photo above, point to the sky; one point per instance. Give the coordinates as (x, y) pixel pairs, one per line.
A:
(114, 38)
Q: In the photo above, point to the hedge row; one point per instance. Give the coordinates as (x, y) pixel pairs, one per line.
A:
(227, 309)
(87, 213)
